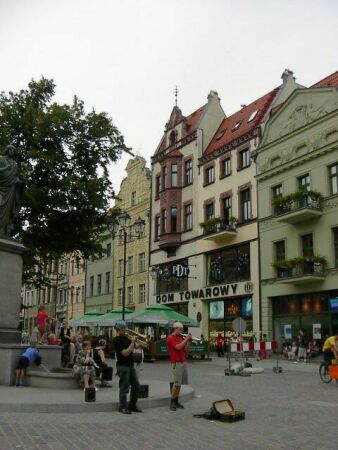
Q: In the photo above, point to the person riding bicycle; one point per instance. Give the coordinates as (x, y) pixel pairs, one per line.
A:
(330, 348)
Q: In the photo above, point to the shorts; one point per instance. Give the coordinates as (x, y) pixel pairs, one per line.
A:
(302, 352)
(23, 363)
(180, 373)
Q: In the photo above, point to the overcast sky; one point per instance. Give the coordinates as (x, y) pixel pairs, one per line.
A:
(125, 57)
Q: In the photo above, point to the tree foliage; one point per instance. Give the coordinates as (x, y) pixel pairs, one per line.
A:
(63, 154)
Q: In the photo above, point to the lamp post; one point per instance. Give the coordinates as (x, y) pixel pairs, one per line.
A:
(121, 223)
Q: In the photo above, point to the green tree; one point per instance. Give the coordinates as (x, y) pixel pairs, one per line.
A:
(63, 154)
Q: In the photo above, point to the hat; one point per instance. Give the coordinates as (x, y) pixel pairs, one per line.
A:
(177, 325)
(120, 324)
(102, 343)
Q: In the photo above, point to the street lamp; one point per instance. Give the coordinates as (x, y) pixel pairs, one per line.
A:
(121, 223)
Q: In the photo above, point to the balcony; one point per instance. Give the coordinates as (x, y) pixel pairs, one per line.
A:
(218, 231)
(169, 241)
(300, 270)
(298, 207)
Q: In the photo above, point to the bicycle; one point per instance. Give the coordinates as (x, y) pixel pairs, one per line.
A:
(328, 372)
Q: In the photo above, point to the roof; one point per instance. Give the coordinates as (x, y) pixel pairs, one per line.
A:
(243, 121)
(329, 81)
(190, 124)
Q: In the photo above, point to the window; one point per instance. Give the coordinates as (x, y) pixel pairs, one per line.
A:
(209, 211)
(173, 219)
(99, 286)
(279, 250)
(253, 115)
(108, 250)
(142, 293)
(157, 186)
(229, 265)
(133, 198)
(119, 296)
(130, 265)
(167, 282)
(141, 262)
(225, 166)
(245, 205)
(188, 217)
(164, 221)
(304, 182)
(236, 126)
(334, 179)
(82, 293)
(227, 210)
(209, 175)
(77, 294)
(107, 282)
(157, 227)
(130, 295)
(335, 240)
(188, 172)
(120, 268)
(277, 191)
(220, 135)
(91, 286)
(174, 175)
(244, 159)
(307, 245)
(165, 176)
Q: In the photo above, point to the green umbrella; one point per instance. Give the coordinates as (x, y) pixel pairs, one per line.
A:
(161, 315)
(109, 319)
(89, 319)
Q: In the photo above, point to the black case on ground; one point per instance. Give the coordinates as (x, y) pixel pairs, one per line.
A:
(107, 373)
(143, 391)
(90, 395)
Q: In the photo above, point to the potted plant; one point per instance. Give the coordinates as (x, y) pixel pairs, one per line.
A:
(283, 268)
(210, 224)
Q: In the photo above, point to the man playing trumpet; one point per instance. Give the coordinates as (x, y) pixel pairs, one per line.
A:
(178, 347)
(126, 371)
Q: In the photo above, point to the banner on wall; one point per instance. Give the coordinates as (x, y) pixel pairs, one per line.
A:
(317, 331)
(288, 331)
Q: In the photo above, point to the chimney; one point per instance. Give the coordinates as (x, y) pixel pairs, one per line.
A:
(213, 95)
(287, 75)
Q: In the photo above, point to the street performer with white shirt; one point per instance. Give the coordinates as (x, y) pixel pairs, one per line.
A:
(178, 347)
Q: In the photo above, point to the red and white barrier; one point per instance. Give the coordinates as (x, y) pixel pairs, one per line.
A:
(252, 346)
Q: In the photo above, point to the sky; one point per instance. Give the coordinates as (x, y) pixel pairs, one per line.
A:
(125, 57)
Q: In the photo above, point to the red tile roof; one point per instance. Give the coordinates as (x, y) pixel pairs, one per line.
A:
(329, 81)
(261, 105)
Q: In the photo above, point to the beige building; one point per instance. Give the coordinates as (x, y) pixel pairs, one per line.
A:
(76, 286)
(133, 198)
(297, 174)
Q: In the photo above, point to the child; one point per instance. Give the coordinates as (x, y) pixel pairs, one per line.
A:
(29, 355)
(41, 319)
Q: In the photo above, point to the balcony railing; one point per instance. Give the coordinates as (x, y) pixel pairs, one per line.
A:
(298, 207)
(300, 272)
(217, 229)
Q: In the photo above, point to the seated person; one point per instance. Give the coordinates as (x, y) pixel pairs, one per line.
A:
(85, 365)
(52, 339)
(28, 356)
(293, 352)
(68, 351)
(310, 350)
(103, 371)
(330, 348)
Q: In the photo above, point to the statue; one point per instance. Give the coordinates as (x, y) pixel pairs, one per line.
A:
(11, 189)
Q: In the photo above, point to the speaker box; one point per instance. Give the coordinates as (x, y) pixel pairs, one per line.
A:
(143, 391)
(90, 395)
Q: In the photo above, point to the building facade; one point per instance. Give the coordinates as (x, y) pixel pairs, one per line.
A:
(297, 175)
(76, 286)
(133, 198)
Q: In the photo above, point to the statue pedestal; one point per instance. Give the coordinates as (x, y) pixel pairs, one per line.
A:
(11, 252)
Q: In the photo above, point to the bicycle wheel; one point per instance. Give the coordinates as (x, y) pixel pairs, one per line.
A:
(324, 373)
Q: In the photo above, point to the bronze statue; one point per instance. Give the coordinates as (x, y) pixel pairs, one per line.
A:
(11, 189)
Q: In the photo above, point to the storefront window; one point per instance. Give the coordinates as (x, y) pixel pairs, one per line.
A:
(229, 265)
(169, 282)
(223, 312)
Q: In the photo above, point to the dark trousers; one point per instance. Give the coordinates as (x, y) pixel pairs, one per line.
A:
(328, 356)
(128, 377)
(220, 351)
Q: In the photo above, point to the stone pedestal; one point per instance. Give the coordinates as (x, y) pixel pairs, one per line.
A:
(11, 252)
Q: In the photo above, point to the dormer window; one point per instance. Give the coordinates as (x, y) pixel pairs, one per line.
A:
(220, 135)
(236, 126)
(253, 115)
(172, 138)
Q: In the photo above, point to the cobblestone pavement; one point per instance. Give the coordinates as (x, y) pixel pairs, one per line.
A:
(291, 410)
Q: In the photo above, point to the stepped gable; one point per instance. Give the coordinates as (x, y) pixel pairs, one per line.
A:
(329, 81)
(241, 122)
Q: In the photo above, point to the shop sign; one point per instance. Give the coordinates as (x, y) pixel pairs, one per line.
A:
(288, 331)
(205, 293)
(179, 270)
(317, 330)
(196, 348)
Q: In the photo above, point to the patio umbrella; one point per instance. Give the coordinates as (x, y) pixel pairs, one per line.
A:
(161, 315)
(89, 319)
(109, 319)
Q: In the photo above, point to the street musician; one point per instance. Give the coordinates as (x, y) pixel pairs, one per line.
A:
(124, 346)
(178, 348)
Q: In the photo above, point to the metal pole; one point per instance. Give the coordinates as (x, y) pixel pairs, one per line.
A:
(124, 272)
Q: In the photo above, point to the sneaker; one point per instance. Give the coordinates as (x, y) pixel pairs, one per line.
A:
(124, 411)
(135, 409)
(179, 405)
(173, 405)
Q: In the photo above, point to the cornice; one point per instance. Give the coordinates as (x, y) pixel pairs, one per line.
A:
(179, 144)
